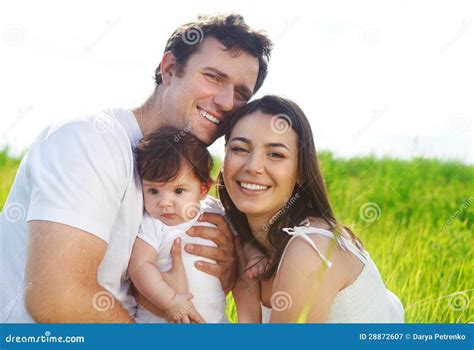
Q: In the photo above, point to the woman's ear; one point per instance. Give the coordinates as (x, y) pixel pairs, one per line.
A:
(168, 67)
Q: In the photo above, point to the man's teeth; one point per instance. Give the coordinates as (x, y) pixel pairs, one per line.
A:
(253, 187)
(208, 116)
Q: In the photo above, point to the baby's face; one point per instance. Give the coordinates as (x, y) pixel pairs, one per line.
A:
(176, 201)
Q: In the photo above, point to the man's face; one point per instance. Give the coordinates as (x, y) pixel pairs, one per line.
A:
(213, 83)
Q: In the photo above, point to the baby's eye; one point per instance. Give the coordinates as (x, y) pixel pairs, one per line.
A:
(179, 191)
(152, 191)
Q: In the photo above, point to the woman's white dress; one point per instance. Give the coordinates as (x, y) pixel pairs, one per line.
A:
(366, 300)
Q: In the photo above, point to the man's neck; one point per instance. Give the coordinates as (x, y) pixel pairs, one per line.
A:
(148, 115)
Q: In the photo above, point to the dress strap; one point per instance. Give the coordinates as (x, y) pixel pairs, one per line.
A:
(299, 231)
(304, 231)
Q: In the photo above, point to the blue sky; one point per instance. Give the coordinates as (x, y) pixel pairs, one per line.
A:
(374, 77)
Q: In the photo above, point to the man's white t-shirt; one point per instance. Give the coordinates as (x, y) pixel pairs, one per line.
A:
(80, 173)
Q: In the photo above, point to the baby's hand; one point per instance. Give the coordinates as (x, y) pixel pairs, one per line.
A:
(257, 264)
(181, 310)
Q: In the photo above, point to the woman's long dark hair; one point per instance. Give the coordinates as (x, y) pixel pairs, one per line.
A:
(309, 197)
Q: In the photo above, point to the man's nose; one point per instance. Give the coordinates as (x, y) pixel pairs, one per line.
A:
(225, 98)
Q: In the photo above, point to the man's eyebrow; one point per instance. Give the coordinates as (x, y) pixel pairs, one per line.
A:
(244, 90)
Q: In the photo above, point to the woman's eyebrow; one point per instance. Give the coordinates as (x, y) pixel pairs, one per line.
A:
(242, 139)
(271, 144)
(276, 144)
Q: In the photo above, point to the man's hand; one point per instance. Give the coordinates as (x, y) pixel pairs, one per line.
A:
(224, 254)
(62, 269)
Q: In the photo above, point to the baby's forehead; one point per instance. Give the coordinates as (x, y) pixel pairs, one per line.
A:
(180, 180)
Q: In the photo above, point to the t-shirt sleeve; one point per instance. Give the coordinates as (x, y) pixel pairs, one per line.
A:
(214, 205)
(150, 231)
(78, 176)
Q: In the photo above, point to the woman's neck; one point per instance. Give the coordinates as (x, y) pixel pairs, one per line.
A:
(260, 226)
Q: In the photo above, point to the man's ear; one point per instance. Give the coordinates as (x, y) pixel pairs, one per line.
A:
(168, 67)
(205, 187)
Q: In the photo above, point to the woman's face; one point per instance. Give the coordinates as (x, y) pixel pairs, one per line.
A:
(260, 165)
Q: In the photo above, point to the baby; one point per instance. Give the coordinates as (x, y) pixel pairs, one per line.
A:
(175, 174)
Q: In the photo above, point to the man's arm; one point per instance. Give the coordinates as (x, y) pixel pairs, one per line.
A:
(62, 268)
(224, 254)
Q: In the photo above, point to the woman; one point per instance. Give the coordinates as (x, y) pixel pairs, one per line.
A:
(274, 193)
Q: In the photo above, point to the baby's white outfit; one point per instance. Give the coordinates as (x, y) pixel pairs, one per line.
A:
(209, 298)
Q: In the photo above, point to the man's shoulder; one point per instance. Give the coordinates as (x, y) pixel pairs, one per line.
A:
(102, 124)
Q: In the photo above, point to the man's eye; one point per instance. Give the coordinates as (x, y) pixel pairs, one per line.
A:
(153, 191)
(213, 77)
(179, 191)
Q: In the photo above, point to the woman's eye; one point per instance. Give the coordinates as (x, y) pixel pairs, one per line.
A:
(179, 191)
(153, 191)
(275, 155)
(239, 150)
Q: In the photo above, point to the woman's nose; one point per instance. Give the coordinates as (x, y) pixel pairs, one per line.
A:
(254, 163)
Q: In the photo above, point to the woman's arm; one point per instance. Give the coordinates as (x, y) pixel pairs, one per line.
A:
(303, 290)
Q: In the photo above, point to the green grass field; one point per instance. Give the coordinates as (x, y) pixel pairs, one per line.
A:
(414, 217)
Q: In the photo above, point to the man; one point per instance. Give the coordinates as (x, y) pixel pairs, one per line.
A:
(74, 209)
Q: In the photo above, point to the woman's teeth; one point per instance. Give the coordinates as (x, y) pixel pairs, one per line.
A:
(253, 187)
(209, 117)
